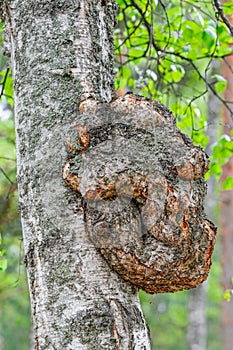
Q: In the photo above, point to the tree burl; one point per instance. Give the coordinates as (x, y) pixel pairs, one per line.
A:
(140, 182)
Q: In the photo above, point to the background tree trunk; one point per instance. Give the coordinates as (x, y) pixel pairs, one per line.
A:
(197, 330)
(62, 52)
(226, 211)
(197, 305)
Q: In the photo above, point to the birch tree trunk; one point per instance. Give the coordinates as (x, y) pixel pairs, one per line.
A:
(136, 182)
(62, 52)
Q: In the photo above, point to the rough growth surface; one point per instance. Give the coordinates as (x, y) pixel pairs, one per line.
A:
(140, 183)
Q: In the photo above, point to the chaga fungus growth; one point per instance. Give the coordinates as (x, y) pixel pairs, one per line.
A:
(142, 187)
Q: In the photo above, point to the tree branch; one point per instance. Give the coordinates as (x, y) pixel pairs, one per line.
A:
(219, 12)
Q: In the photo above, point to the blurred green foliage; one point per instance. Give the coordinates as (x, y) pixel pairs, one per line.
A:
(167, 316)
(14, 301)
(15, 324)
(222, 151)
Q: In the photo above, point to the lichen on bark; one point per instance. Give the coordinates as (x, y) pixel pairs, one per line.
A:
(142, 186)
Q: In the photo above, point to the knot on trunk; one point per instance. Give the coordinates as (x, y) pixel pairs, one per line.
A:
(141, 181)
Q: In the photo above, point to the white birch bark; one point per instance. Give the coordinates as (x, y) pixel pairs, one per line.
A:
(62, 52)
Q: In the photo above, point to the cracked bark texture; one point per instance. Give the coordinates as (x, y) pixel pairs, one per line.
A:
(142, 189)
(62, 53)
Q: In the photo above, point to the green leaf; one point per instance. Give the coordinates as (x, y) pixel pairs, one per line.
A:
(192, 55)
(209, 37)
(3, 264)
(223, 149)
(151, 74)
(221, 83)
(220, 87)
(215, 169)
(228, 184)
(227, 295)
(228, 7)
(173, 13)
(177, 73)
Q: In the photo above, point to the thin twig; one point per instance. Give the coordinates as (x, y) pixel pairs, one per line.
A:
(4, 81)
(219, 12)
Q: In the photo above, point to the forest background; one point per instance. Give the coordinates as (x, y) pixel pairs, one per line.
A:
(179, 53)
